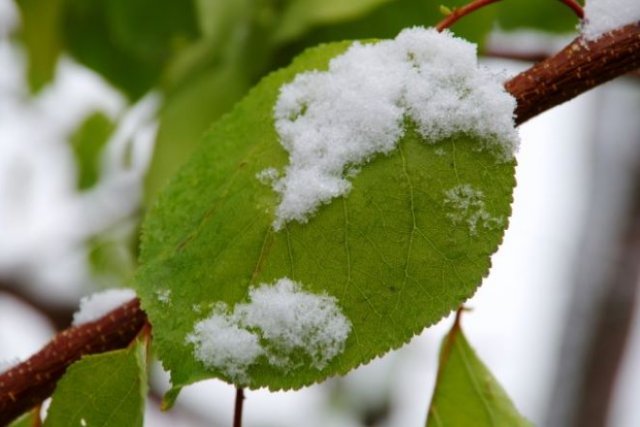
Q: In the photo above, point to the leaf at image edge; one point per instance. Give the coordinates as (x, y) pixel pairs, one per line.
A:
(466, 393)
(103, 389)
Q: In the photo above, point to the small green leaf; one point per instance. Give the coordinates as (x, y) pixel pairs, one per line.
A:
(390, 252)
(445, 10)
(87, 142)
(107, 389)
(466, 393)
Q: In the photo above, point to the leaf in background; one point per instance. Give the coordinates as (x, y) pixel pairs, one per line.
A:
(112, 255)
(466, 394)
(30, 419)
(551, 16)
(107, 389)
(128, 43)
(388, 252)
(301, 15)
(41, 35)
(87, 142)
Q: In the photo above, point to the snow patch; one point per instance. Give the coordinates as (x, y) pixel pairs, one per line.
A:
(602, 16)
(469, 207)
(330, 121)
(6, 365)
(163, 296)
(279, 320)
(96, 305)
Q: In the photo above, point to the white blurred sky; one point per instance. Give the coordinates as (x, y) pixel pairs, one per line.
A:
(517, 315)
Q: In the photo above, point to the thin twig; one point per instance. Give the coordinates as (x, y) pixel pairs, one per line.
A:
(575, 7)
(458, 13)
(237, 412)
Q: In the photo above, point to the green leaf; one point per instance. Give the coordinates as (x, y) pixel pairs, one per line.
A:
(107, 389)
(389, 252)
(550, 16)
(87, 142)
(30, 419)
(41, 36)
(128, 42)
(301, 15)
(466, 393)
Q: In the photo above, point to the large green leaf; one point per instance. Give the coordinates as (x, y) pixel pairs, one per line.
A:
(543, 15)
(107, 389)
(391, 252)
(466, 393)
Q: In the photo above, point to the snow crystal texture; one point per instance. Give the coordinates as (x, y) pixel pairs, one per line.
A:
(330, 121)
(602, 16)
(278, 321)
(96, 305)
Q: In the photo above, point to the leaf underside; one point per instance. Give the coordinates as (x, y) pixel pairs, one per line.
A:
(389, 251)
(466, 393)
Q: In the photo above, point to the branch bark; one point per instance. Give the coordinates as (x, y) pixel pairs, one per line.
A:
(29, 383)
(579, 67)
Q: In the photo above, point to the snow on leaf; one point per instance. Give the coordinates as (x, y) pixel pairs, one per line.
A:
(328, 120)
(278, 321)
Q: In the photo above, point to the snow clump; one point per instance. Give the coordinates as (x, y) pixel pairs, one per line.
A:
(332, 121)
(601, 16)
(96, 305)
(279, 320)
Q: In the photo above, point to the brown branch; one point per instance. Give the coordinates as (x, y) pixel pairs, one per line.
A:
(576, 69)
(460, 12)
(32, 381)
(580, 66)
(237, 411)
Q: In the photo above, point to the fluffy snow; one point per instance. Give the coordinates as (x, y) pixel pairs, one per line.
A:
(602, 16)
(332, 121)
(469, 207)
(279, 321)
(96, 305)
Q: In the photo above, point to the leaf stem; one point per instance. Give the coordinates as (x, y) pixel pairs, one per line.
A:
(237, 413)
(460, 12)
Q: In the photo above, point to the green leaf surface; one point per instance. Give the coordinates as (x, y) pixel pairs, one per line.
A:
(389, 252)
(88, 142)
(41, 36)
(107, 389)
(466, 393)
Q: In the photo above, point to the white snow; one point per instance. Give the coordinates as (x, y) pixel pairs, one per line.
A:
(278, 321)
(330, 121)
(6, 365)
(164, 296)
(96, 305)
(469, 207)
(602, 16)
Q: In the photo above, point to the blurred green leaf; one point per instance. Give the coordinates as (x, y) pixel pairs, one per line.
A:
(466, 393)
(88, 142)
(128, 42)
(112, 256)
(301, 15)
(41, 35)
(107, 389)
(543, 15)
(212, 226)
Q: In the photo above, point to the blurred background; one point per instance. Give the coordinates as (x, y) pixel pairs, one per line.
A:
(101, 102)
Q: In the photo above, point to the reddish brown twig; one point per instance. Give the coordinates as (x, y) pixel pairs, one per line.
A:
(580, 66)
(32, 381)
(237, 411)
(465, 10)
(575, 7)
